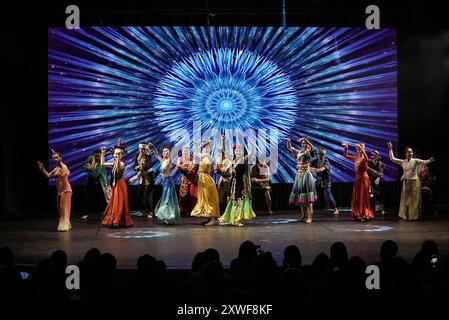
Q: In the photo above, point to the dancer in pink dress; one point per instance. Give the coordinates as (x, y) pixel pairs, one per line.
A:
(64, 198)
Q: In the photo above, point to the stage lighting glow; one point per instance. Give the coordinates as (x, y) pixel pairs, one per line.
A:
(369, 228)
(278, 221)
(138, 234)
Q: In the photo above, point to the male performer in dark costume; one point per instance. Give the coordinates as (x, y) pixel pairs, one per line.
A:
(98, 190)
(376, 172)
(323, 183)
(144, 168)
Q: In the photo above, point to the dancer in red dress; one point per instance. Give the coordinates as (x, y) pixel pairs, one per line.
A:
(360, 204)
(117, 212)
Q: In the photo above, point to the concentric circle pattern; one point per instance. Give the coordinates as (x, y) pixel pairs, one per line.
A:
(225, 89)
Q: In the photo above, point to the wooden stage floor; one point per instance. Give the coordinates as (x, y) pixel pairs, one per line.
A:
(34, 239)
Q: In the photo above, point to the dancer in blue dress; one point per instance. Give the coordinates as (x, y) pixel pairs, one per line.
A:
(167, 209)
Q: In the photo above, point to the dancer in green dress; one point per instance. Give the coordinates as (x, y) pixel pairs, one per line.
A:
(239, 207)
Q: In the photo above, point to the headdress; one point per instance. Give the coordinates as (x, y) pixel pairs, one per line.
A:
(143, 145)
(53, 152)
(375, 155)
(306, 140)
(120, 146)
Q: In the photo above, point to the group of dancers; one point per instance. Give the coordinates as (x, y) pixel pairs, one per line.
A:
(230, 201)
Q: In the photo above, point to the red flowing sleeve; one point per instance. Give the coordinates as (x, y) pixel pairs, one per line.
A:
(347, 156)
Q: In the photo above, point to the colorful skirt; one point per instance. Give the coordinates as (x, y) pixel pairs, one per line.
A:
(238, 208)
(64, 203)
(117, 212)
(361, 199)
(167, 208)
(207, 205)
(304, 190)
(188, 192)
(410, 207)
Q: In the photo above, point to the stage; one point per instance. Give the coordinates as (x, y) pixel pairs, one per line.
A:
(34, 239)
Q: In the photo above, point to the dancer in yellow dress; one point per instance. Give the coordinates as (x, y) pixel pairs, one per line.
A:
(207, 205)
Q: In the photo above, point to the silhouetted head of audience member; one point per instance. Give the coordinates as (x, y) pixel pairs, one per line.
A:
(198, 261)
(353, 278)
(90, 266)
(247, 251)
(388, 250)
(427, 255)
(201, 258)
(263, 277)
(47, 283)
(264, 267)
(241, 266)
(339, 255)
(107, 262)
(145, 263)
(429, 248)
(292, 257)
(45, 266)
(211, 254)
(59, 259)
(92, 256)
(10, 278)
(213, 272)
(399, 278)
(44, 276)
(356, 266)
(149, 268)
(321, 266)
(6, 257)
(149, 264)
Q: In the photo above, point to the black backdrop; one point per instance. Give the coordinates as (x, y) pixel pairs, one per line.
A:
(423, 79)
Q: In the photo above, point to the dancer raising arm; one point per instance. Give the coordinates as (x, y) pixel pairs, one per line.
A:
(223, 166)
(167, 209)
(304, 191)
(64, 198)
(239, 207)
(207, 205)
(360, 203)
(97, 186)
(410, 206)
(117, 212)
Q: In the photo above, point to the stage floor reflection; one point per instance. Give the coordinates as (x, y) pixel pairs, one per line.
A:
(34, 239)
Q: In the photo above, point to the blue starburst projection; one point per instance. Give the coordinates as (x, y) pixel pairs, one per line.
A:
(332, 85)
(226, 89)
